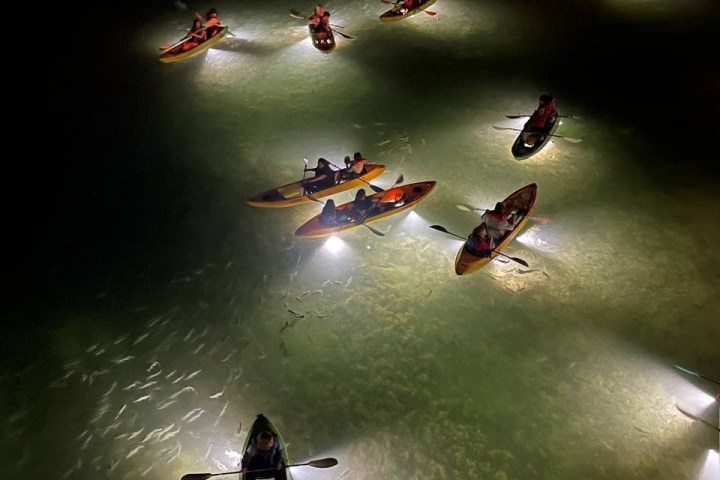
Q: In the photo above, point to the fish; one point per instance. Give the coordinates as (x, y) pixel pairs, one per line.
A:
(383, 143)
(222, 412)
(140, 338)
(151, 434)
(187, 337)
(136, 433)
(193, 374)
(132, 385)
(120, 361)
(170, 374)
(148, 384)
(134, 451)
(191, 413)
(196, 416)
(186, 389)
(110, 390)
(164, 405)
(178, 379)
(153, 365)
(140, 399)
(153, 375)
(122, 409)
(173, 457)
(197, 350)
(217, 395)
(167, 435)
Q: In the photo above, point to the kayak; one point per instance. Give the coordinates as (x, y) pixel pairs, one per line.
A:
(292, 193)
(386, 203)
(325, 45)
(522, 150)
(519, 204)
(176, 54)
(262, 424)
(398, 12)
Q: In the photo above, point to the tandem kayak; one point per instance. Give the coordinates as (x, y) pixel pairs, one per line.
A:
(176, 54)
(398, 12)
(386, 203)
(292, 193)
(522, 150)
(263, 424)
(520, 205)
(325, 45)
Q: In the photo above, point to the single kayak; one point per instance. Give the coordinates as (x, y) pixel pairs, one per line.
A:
(384, 204)
(523, 149)
(177, 54)
(263, 424)
(519, 205)
(399, 11)
(325, 44)
(293, 193)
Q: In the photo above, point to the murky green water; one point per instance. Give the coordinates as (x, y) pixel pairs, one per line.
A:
(166, 312)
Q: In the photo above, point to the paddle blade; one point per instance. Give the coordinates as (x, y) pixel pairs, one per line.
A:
(569, 139)
(498, 127)
(520, 261)
(376, 188)
(373, 230)
(439, 228)
(296, 14)
(400, 179)
(323, 463)
(196, 476)
(430, 13)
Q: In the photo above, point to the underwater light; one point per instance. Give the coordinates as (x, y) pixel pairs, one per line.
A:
(334, 245)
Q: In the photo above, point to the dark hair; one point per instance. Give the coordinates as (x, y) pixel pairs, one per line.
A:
(347, 159)
(266, 435)
(360, 192)
(357, 155)
(546, 98)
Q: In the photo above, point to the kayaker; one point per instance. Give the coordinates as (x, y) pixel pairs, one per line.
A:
(329, 214)
(362, 205)
(479, 242)
(497, 221)
(316, 16)
(354, 168)
(324, 177)
(538, 122)
(196, 36)
(264, 452)
(212, 22)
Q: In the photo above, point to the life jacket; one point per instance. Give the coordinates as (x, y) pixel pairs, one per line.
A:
(479, 246)
(394, 196)
(358, 166)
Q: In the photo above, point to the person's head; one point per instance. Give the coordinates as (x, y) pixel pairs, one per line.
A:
(330, 204)
(360, 194)
(323, 163)
(265, 441)
(212, 13)
(357, 156)
(326, 15)
(347, 160)
(498, 207)
(197, 24)
(546, 98)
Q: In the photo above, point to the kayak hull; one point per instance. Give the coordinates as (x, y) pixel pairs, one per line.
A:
(292, 194)
(176, 54)
(261, 424)
(521, 201)
(521, 150)
(411, 193)
(399, 13)
(326, 45)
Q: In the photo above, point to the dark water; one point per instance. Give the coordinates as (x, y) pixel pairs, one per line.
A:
(144, 264)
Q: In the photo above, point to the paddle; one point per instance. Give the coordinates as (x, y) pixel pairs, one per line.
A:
(695, 374)
(569, 139)
(398, 3)
(342, 34)
(322, 463)
(694, 417)
(440, 228)
(559, 116)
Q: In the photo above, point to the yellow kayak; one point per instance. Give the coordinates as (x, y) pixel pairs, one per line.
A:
(176, 54)
(403, 196)
(398, 12)
(520, 203)
(292, 193)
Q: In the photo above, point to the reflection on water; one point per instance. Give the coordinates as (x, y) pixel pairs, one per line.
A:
(178, 312)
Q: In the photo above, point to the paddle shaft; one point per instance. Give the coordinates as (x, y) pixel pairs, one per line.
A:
(322, 463)
(696, 374)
